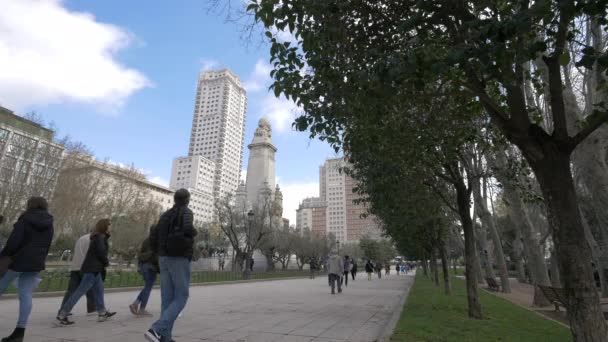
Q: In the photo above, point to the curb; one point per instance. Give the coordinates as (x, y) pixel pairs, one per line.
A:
(389, 328)
(52, 294)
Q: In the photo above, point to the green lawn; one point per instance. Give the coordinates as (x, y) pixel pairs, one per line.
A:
(58, 280)
(429, 315)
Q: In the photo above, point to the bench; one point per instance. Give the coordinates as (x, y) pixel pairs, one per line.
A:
(555, 295)
(492, 284)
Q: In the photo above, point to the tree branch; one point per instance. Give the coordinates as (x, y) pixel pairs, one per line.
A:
(593, 122)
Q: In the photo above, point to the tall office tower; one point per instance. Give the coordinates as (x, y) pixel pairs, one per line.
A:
(343, 216)
(218, 127)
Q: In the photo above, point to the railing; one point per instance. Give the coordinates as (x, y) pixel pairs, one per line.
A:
(52, 281)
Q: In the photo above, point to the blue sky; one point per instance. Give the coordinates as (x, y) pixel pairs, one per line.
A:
(120, 76)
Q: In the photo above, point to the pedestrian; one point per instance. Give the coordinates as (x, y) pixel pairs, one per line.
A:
(346, 270)
(336, 269)
(379, 270)
(94, 265)
(24, 256)
(173, 243)
(369, 269)
(251, 262)
(398, 268)
(313, 267)
(353, 270)
(80, 252)
(148, 268)
(387, 269)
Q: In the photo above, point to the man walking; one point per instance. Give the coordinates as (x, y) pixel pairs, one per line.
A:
(336, 269)
(173, 243)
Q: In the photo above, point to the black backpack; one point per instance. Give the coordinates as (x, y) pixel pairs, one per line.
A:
(177, 242)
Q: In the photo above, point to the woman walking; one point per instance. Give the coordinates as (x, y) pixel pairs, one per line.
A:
(353, 270)
(25, 256)
(93, 266)
(148, 267)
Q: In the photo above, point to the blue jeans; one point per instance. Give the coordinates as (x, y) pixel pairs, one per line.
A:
(89, 281)
(148, 272)
(174, 292)
(26, 284)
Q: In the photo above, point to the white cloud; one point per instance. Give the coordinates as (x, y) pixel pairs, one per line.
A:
(259, 78)
(280, 111)
(159, 180)
(209, 64)
(244, 175)
(293, 194)
(49, 54)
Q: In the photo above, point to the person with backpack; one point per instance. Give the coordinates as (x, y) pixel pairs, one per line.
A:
(24, 256)
(80, 252)
(148, 267)
(173, 243)
(93, 266)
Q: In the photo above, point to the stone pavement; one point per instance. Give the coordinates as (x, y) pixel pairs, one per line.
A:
(297, 310)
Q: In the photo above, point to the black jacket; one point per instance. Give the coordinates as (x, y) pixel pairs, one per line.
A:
(369, 268)
(180, 218)
(97, 255)
(29, 242)
(146, 254)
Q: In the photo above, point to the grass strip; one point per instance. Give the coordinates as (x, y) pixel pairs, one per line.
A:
(429, 315)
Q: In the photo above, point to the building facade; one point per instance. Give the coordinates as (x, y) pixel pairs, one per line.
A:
(29, 162)
(212, 169)
(218, 127)
(343, 217)
(307, 215)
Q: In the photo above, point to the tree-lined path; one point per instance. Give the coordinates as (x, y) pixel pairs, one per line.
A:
(299, 310)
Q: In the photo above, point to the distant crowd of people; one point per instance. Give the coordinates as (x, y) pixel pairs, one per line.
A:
(166, 251)
(338, 269)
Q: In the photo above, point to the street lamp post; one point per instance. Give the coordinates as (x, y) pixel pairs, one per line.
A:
(250, 216)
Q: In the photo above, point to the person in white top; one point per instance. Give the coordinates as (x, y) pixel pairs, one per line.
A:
(80, 252)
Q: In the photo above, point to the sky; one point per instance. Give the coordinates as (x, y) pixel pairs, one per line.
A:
(121, 78)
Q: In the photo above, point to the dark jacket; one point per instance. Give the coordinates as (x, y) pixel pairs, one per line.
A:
(146, 255)
(369, 268)
(97, 255)
(354, 269)
(29, 242)
(175, 224)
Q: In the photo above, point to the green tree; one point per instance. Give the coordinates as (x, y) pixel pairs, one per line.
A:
(348, 49)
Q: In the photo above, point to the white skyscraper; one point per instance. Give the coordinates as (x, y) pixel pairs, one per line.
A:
(215, 155)
(218, 127)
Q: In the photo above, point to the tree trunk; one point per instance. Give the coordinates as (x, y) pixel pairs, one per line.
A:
(534, 257)
(477, 264)
(573, 251)
(517, 254)
(434, 268)
(454, 262)
(484, 256)
(425, 267)
(445, 267)
(463, 199)
(486, 219)
(556, 281)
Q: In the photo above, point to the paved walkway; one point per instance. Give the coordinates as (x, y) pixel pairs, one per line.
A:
(298, 310)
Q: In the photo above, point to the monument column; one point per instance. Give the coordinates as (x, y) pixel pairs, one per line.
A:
(261, 164)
